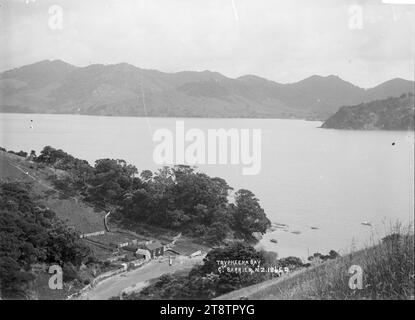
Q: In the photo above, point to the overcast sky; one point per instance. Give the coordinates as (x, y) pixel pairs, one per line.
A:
(284, 41)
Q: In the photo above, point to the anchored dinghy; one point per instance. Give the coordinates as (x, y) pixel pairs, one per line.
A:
(367, 223)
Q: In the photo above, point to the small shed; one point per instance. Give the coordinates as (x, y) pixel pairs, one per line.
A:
(196, 253)
(143, 253)
(155, 248)
(149, 250)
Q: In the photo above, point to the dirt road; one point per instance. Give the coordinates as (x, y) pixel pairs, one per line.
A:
(115, 285)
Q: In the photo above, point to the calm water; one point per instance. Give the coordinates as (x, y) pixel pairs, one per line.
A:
(330, 179)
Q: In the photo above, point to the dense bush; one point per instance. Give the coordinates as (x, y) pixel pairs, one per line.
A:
(183, 199)
(317, 255)
(20, 153)
(178, 198)
(30, 234)
(291, 263)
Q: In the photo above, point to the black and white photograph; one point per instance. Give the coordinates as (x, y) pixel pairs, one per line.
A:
(225, 151)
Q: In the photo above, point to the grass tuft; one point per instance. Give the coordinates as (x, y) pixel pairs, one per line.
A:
(387, 273)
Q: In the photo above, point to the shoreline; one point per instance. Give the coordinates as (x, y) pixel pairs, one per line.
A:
(161, 116)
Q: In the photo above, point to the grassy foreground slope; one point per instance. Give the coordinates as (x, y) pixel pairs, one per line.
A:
(387, 273)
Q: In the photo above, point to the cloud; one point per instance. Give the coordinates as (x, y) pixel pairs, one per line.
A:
(281, 40)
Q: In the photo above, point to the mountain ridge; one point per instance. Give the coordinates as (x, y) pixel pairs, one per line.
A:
(122, 89)
(395, 113)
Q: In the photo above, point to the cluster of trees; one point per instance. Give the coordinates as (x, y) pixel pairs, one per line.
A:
(31, 234)
(20, 153)
(104, 184)
(393, 113)
(332, 255)
(78, 171)
(207, 281)
(178, 197)
(192, 202)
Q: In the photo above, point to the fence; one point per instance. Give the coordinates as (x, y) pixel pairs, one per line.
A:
(97, 233)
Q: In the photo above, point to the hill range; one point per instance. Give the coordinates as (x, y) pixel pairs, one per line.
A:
(395, 113)
(125, 90)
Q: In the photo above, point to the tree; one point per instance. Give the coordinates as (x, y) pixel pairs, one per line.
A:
(146, 175)
(32, 155)
(333, 254)
(248, 215)
(111, 180)
(217, 233)
(30, 234)
(290, 262)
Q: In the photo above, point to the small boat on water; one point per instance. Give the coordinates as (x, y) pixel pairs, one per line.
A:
(314, 228)
(366, 223)
(296, 232)
(279, 225)
(274, 240)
